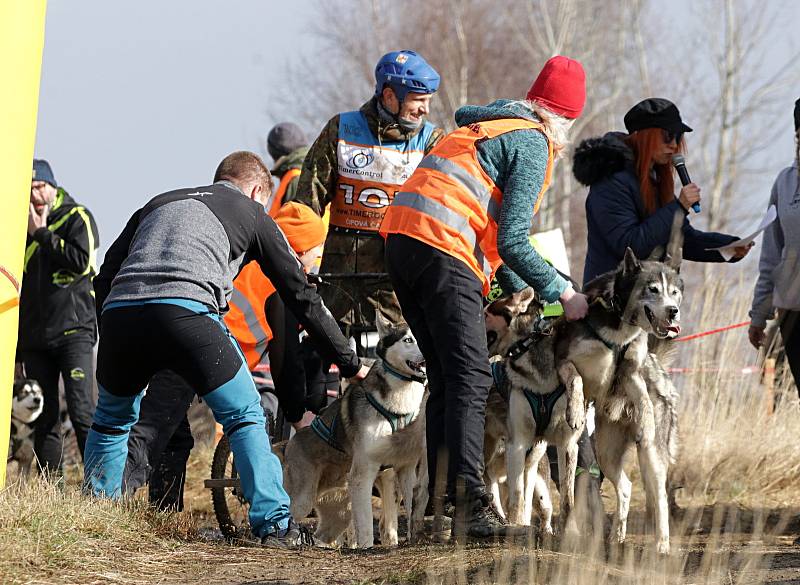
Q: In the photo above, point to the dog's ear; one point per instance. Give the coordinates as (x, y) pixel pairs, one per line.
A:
(630, 263)
(520, 300)
(601, 287)
(674, 253)
(657, 254)
(382, 324)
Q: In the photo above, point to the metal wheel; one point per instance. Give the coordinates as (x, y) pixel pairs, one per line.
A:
(230, 507)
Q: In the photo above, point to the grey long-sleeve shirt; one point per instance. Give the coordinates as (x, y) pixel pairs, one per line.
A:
(778, 285)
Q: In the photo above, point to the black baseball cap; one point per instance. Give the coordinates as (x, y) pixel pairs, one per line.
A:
(655, 113)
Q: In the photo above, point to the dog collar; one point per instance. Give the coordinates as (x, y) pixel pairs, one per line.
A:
(541, 328)
(405, 377)
(616, 348)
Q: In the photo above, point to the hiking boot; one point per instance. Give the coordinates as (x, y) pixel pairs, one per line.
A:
(293, 536)
(478, 518)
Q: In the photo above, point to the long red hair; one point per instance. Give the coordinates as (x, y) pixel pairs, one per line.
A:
(655, 193)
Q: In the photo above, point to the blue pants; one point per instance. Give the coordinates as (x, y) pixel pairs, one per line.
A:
(138, 339)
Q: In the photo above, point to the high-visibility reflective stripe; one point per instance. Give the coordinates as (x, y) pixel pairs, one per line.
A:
(92, 263)
(468, 182)
(251, 319)
(460, 174)
(33, 246)
(483, 262)
(437, 211)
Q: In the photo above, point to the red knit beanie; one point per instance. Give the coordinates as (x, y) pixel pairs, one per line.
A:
(560, 87)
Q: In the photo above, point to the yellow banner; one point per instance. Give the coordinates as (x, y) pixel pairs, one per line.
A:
(21, 45)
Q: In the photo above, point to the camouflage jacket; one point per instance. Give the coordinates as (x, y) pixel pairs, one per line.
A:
(351, 301)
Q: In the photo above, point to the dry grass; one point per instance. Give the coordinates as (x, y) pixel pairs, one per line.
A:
(739, 441)
(50, 532)
(739, 464)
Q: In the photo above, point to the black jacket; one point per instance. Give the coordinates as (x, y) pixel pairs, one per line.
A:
(615, 215)
(57, 300)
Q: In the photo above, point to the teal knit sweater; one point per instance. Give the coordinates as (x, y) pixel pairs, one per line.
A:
(516, 162)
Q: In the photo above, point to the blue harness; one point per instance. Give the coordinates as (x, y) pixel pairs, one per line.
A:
(396, 421)
(327, 433)
(542, 406)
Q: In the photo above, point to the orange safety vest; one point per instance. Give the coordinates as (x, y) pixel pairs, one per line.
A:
(246, 318)
(450, 202)
(277, 198)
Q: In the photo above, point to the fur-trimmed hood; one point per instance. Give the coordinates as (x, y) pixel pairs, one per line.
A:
(597, 158)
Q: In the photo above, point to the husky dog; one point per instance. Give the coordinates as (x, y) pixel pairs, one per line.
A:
(378, 423)
(26, 406)
(621, 372)
(494, 447)
(543, 409)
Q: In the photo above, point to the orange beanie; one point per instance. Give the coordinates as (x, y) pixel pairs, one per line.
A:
(303, 228)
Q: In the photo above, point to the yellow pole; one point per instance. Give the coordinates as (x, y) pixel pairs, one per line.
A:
(21, 45)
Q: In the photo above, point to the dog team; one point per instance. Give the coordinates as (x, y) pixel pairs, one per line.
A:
(467, 398)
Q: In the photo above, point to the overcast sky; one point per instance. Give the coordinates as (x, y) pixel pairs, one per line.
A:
(138, 98)
(141, 97)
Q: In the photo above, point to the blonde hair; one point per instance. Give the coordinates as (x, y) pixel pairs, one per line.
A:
(556, 128)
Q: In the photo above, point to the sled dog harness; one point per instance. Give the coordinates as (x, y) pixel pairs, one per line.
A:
(396, 421)
(327, 434)
(542, 406)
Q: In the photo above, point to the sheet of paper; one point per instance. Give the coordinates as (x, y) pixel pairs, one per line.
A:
(728, 251)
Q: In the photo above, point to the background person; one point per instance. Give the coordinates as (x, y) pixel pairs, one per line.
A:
(57, 326)
(778, 286)
(288, 146)
(464, 214)
(353, 170)
(164, 283)
(631, 201)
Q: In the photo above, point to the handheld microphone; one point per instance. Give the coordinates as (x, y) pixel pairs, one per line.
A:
(680, 165)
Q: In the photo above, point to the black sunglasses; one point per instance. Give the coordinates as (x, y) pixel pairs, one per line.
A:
(670, 137)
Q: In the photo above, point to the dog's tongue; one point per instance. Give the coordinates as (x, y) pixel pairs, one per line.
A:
(676, 329)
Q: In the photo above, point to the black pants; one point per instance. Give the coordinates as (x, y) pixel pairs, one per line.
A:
(160, 442)
(298, 372)
(790, 332)
(442, 302)
(73, 363)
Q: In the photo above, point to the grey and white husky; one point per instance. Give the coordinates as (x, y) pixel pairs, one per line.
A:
(26, 406)
(616, 350)
(543, 409)
(378, 423)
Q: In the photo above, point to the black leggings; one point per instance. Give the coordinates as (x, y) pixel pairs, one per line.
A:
(160, 442)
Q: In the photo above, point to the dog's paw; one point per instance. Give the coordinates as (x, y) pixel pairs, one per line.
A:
(576, 415)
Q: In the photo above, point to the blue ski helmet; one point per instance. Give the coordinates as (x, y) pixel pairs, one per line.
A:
(405, 71)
